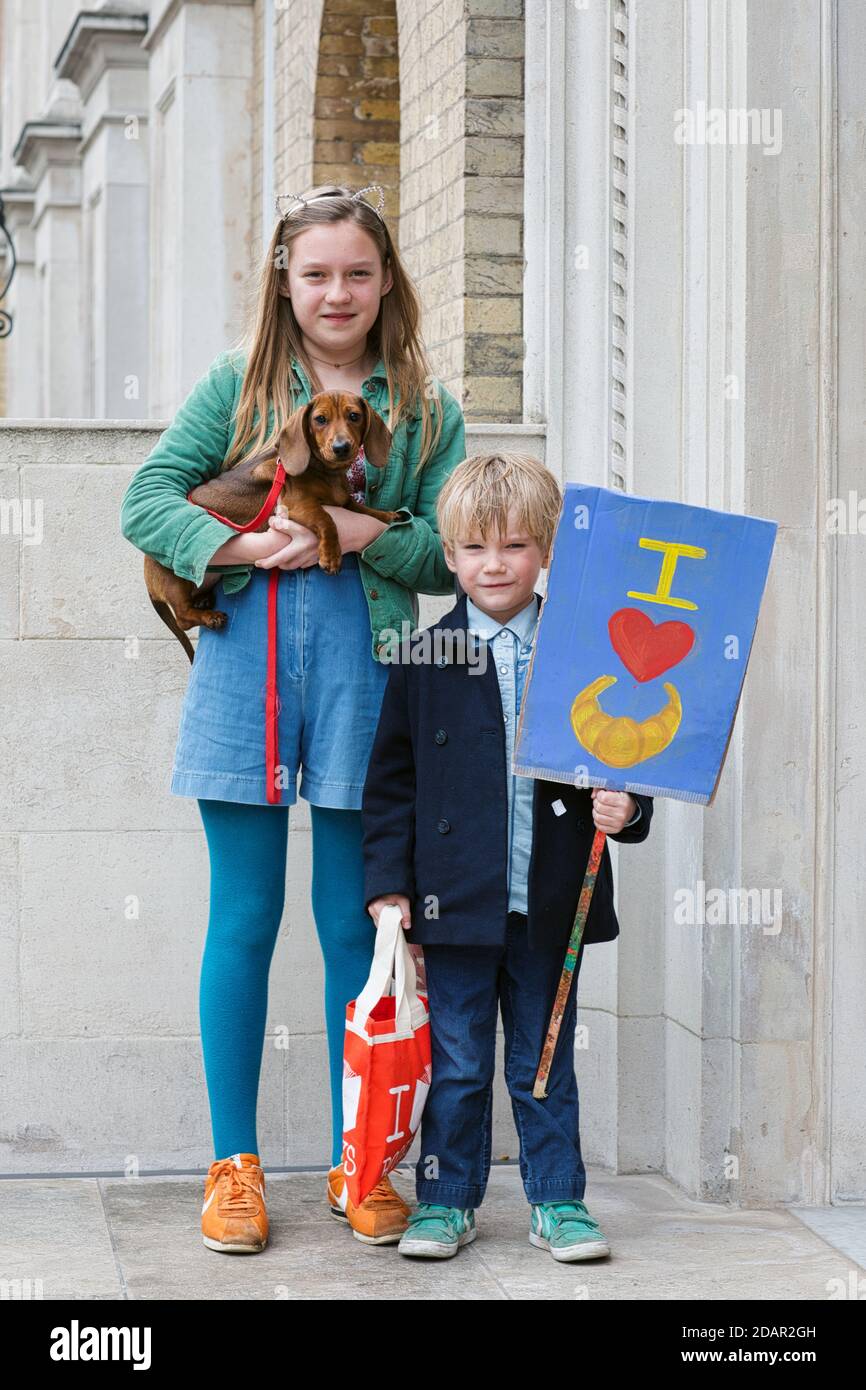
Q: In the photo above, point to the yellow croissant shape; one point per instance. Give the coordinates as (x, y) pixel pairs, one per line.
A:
(618, 740)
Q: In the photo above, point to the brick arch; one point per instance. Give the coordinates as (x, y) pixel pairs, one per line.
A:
(426, 99)
(356, 102)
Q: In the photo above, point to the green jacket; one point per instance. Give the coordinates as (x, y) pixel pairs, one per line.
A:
(406, 559)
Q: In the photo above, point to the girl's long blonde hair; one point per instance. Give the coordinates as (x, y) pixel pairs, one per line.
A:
(273, 335)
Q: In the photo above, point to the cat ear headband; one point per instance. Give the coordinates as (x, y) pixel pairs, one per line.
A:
(355, 197)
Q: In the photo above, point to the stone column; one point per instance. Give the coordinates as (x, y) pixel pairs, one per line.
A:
(48, 152)
(842, 853)
(23, 351)
(103, 56)
(201, 164)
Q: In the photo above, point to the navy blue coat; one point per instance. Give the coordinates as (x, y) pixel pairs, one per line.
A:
(435, 814)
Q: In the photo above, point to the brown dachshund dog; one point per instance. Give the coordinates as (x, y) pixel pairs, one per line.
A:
(319, 442)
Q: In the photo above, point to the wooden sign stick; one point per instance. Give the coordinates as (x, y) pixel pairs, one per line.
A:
(539, 1090)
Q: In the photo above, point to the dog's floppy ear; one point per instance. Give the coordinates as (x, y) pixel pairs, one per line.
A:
(377, 438)
(292, 447)
(294, 442)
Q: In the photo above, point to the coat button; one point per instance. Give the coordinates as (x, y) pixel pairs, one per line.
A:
(443, 827)
(374, 483)
(374, 593)
(440, 736)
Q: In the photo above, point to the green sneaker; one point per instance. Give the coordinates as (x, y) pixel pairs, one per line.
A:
(567, 1230)
(437, 1232)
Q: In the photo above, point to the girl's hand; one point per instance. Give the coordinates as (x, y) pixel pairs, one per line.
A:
(611, 810)
(354, 531)
(301, 550)
(375, 908)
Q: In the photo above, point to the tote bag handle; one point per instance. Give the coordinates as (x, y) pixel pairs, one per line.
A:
(392, 956)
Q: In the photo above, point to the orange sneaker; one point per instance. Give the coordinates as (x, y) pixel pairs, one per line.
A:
(233, 1216)
(381, 1218)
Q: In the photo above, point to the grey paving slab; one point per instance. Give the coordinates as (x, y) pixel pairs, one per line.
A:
(842, 1227)
(310, 1255)
(56, 1239)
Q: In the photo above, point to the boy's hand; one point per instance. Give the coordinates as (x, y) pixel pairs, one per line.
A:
(611, 810)
(375, 907)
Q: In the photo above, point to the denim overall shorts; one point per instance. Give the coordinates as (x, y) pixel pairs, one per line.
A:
(329, 690)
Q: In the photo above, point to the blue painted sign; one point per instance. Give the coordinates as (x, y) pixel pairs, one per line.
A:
(642, 644)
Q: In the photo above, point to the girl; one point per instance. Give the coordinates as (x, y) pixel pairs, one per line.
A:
(335, 310)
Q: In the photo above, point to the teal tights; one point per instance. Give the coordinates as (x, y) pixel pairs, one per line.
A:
(247, 847)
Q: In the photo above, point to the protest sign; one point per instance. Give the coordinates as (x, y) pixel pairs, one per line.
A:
(642, 644)
(639, 660)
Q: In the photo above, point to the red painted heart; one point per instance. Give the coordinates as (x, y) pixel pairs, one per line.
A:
(647, 648)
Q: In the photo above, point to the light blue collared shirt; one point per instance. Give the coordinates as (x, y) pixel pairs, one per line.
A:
(510, 646)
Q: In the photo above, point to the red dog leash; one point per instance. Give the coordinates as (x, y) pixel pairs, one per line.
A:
(271, 751)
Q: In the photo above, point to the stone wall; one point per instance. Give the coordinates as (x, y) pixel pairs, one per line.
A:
(103, 873)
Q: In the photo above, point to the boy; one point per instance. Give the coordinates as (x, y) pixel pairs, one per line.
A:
(487, 867)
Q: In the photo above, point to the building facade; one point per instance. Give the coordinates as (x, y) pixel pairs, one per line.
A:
(636, 226)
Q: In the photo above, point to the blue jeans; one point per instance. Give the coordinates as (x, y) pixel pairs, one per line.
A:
(465, 986)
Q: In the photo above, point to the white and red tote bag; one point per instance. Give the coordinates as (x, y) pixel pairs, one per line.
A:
(386, 1063)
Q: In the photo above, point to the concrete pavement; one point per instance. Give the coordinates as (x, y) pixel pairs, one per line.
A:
(120, 1238)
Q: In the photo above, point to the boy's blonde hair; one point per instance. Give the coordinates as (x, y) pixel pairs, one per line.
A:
(479, 493)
